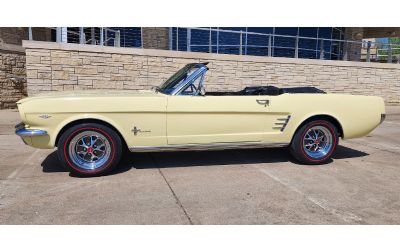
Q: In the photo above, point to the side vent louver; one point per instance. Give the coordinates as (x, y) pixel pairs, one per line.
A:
(281, 123)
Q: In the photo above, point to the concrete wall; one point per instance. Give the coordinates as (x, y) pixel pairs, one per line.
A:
(377, 32)
(15, 35)
(55, 67)
(12, 35)
(155, 38)
(12, 75)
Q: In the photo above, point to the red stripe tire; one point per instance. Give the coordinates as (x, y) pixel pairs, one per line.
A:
(315, 142)
(89, 149)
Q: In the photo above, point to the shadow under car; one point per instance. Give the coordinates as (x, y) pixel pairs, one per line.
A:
(201, 158)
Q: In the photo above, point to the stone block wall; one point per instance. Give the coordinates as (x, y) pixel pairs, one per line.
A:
(12, 77)
(56, 67)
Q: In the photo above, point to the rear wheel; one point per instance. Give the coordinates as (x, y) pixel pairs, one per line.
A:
(89, 149)
(315, 142)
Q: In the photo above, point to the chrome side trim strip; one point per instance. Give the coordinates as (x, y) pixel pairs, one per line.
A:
(212, 146)
(30, 132)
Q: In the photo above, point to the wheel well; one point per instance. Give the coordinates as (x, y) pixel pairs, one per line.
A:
(80, 121)
(329, 118)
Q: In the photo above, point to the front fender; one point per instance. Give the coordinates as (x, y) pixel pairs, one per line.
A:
(75, 118)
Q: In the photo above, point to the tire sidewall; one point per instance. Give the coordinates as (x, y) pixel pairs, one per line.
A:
(298, 143)
(109, 134)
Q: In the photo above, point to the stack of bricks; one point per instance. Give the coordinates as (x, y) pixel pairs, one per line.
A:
(56, 67)
(12, 78)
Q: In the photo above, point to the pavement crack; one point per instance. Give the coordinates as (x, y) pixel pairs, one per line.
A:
(173, 192)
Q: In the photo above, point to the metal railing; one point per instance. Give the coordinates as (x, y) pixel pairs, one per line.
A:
(222, 41)
(85, 35)
(105, 37)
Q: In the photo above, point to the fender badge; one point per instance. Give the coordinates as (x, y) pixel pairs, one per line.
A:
(136, 130)
(45, 116)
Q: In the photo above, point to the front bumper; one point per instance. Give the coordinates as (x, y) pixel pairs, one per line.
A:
(22, 131)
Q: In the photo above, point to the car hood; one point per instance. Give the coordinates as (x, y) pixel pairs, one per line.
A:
(89, 93)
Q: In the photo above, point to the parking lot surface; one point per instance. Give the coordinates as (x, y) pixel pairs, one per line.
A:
(254, 186)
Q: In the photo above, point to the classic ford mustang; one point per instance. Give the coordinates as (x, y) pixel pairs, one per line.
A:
(91, 128)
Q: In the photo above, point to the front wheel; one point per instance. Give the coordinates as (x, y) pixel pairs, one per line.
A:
(315, 142)
(89, 149)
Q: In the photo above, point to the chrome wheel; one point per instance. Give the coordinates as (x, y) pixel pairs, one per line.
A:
(317, 142)
(89, 150)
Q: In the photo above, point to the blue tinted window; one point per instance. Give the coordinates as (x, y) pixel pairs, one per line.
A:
(229, 42)
(308, 31)
(265, 30)
(179, 38)
(129, 37)
(200, 40)
(325, 32)
(283, 52)
(291, 31)
(233, 28)
(310, 54)
(284, 46)
(307, 46)
(310, 42)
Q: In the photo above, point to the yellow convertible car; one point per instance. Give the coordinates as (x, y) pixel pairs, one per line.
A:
(91, 128)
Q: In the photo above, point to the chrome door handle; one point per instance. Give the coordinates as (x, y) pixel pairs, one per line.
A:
(263, 102)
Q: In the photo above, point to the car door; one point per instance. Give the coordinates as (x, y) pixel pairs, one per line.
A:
(222, 119)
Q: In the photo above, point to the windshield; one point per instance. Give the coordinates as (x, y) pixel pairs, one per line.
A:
(176, 79)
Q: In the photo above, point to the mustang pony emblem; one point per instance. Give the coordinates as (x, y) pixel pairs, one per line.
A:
(136, 130)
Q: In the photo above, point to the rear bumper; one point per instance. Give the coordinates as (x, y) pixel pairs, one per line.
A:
(20, 130)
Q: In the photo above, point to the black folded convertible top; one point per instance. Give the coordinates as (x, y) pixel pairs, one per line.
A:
(271, 90)
(303, 90)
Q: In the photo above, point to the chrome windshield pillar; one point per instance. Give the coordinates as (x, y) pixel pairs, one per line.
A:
(198, 73)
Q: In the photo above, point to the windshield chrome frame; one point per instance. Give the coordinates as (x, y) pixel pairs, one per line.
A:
(198, 73)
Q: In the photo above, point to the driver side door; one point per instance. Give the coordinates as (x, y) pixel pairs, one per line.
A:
(220, 119)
